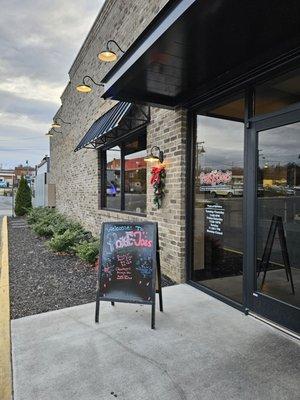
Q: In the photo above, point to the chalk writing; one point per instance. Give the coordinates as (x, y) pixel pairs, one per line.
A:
(126, 267)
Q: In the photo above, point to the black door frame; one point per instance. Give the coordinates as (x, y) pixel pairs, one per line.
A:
(250, 302)
(190, 201)
(273, 309)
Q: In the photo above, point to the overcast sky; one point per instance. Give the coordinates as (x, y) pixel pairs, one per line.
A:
(39, 40)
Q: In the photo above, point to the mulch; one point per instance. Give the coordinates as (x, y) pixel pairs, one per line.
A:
(41, 280)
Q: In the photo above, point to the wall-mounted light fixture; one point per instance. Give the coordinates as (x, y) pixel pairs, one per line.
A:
(108, 55)
(56, 124)
(84, 87)
(152, 157)
(50, 133)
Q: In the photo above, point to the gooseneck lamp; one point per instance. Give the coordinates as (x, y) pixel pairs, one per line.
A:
(50, 132)
(56, 124)
(108, 55)
(84, 87)
(152, 157)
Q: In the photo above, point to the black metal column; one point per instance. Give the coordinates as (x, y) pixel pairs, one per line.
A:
(249, 203)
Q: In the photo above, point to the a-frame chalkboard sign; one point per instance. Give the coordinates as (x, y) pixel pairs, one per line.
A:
(276, 225)
(129, 265)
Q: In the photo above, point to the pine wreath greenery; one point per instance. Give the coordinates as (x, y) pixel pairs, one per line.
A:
(158, 176)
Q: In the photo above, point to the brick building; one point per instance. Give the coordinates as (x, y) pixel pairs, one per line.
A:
(79, 195)
(215, 86)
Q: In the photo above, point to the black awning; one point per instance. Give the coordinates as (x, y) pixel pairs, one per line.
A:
(121, 120)
(195, 47)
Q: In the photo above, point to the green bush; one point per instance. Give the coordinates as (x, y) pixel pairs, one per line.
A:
(43, 228)
(47, 222)
(60, 225)
(64, 234)
(65, 242)
(23, 198)
(34, 215)
(87, 251)
(37, 214)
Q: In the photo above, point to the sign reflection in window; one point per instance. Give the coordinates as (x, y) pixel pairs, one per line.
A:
(218, 234)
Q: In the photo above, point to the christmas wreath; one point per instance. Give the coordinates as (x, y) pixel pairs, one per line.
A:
(158, 175)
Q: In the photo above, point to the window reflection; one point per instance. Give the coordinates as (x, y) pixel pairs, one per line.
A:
(135, 176)
(113, 178)
(125, 176)
(219, 171)
(278, 197)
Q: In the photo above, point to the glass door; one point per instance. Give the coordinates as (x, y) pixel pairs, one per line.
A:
(276, 276)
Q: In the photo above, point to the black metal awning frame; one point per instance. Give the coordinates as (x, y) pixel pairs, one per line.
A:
(137, 118)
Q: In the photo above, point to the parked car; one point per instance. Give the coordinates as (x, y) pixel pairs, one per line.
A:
(111, 189)
(3, 183)
(227, 191)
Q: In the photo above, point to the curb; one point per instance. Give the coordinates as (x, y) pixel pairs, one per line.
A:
(5, 340)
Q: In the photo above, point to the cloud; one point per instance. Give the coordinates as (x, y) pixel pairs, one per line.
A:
(39, 40)
(32, 89)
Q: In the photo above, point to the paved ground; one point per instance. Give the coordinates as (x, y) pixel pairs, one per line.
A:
(5, 206)
(202, 349)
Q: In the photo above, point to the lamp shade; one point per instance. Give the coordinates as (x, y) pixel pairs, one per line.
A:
(107, 56)
(151, 158)
(83, 88)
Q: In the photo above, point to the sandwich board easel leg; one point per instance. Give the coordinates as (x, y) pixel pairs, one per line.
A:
(159, 291)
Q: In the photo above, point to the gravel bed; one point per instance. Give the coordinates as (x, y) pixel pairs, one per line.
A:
(41, 280)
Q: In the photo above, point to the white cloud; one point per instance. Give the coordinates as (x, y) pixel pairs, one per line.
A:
(39, 40)
(32, 89)
(21, 121)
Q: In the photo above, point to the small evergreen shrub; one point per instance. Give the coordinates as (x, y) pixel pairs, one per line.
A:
(23, 198)
(65, 235)
(65, 242)
(60, 225)
(36, 214)
(87, 251)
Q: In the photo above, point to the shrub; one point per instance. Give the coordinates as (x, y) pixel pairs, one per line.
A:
(23, 198)
(64, 242)
(87, 251)
(65, 234)
(39, 214)
(60, 225)
(42, 228)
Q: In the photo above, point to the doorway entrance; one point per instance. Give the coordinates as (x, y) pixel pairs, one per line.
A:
(243, 213)
(275, 289)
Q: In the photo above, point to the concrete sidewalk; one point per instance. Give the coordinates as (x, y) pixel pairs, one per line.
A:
(201, 349)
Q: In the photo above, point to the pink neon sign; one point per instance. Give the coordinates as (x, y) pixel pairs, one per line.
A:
(215, 177)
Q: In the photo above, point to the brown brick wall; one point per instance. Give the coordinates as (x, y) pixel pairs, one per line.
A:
(76, 174)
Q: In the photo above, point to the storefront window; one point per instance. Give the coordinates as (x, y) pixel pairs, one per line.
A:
(113, 178)
(218, 225)
(124, 172)
(135, 176)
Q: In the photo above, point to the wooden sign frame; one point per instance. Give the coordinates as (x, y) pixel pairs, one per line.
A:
(156, 273)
